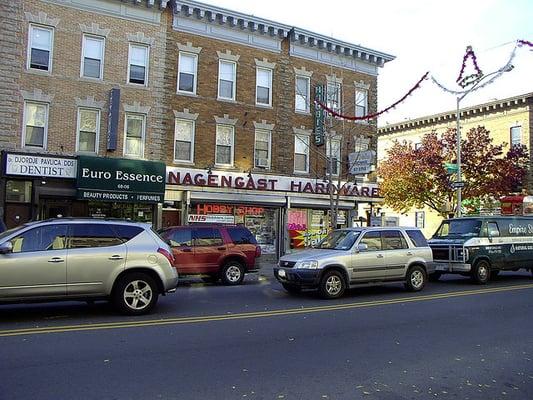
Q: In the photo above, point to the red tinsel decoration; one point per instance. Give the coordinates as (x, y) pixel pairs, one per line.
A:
(463, 81)
(374, 115)
(524, 42)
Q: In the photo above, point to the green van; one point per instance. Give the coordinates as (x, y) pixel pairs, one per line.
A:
(482, 246)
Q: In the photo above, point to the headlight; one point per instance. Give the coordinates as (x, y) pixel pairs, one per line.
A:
(306, 264)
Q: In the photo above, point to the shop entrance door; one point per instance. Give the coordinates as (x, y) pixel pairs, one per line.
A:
(55, 208)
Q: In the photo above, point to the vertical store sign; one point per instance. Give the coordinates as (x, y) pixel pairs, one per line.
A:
(319, 115)
(112, 119)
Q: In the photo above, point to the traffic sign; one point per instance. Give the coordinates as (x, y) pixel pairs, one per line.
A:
(450, 168)
(457, 185)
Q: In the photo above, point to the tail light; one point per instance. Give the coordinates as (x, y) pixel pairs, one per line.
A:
(168, 255)
(257, 251)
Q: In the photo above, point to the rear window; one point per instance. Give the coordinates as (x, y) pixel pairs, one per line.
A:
(417, 238)
(241, 235)
(127, 232)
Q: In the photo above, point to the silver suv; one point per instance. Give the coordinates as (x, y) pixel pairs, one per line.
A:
(89, 259)
(356, 256)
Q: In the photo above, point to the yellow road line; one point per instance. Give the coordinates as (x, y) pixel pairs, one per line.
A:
(258, 314)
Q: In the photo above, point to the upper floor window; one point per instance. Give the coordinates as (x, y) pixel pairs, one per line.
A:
(187, 64)
(333, 156)
(301, 153)
(263, 90)
(88, 130)
(184, 140)
(135, 127)
(262, 148)
(224, 145)
(516, 136)
(302, 93)
(93, 57)
(35, 125)
(226, 79)
(361, 102)
(333, 95)
(138, 64)
(40, 46)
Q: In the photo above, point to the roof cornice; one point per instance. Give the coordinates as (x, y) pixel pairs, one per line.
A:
(162, 4)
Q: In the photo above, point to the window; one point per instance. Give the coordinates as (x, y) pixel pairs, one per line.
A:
(207, 237)
(134, 135)
(333, 96)
(420, 219)
(18, 191)
(302, 94)
(226, 79)
(263, 90)
(127, 232)
(262, 148)
(333, 156)
(92, 235)
(187, 64)
(93, 57)
(35, 125)
(361, 102)
(184, 140)
(224, 145)
(40, 42)
(492, 229)
(372, 240)
(88, 130)
(393, 240)
(417, 238)
(240, 235)
(138, 64)
(301, 153)
(516, 136)
(43, 238)
(179, 237)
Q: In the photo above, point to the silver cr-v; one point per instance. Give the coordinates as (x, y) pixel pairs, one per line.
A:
(358, 256)
(74, 259)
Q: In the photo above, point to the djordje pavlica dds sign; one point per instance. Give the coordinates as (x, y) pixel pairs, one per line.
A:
(120, 180)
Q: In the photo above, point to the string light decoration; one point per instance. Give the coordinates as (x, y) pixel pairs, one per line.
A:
(468, 80)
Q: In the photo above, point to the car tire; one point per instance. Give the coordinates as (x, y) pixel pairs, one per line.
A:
(415, 279)
(292, 289)
(232, 273)
(135, 294)
(434, 276)
(332, 285)
(481, 272)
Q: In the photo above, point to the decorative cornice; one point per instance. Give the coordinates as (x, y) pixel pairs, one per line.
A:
(302, 131)
(136, 108)
(149, 3)
(303, 72)
(37, 95)
(333, 79)
(185, 114)
(226, 120)
(189, 48)
(42, 18)
(94, 29)
(263, 125)
(265, 64)
(89, 102)
(361, 85)
(228, 56)
(139, 37)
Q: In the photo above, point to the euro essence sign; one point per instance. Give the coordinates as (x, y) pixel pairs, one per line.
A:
(120, 180)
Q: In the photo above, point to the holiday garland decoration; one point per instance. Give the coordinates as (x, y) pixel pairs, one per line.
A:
(468, 80)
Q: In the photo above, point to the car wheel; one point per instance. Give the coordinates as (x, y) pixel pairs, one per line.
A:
(332, 285)
(481, 272)
(135, 294)
(292, 289)
(435, 276)
(416, 278)
(232, 273)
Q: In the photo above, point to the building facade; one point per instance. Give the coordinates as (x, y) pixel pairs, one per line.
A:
(509, 121)
(102, 93)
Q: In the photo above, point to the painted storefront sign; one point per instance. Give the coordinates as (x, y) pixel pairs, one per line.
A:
(39, 166)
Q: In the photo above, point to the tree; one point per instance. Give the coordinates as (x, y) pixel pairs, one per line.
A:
(417, 177)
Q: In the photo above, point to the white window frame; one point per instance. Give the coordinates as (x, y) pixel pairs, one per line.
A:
(232, 145)
(270, 73)
(269, 158)
(195, 81)
(519, 127)
(51, 51)
(100, 38)
(337, 156)
(308, 94)
(45, 134)
(298, 137)
(97, 138)
(365, 92)
(143, 134)
(220, 62)
(338, 88)
(193, 131)
(146, 67)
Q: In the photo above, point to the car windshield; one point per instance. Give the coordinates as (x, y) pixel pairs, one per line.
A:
(339, 240)
(459, 228)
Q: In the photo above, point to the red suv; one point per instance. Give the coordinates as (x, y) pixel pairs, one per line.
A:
(217, 251)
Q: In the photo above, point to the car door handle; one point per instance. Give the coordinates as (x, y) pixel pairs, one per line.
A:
(56, 260)
(409, 253)
(116, 257)
(379, 256)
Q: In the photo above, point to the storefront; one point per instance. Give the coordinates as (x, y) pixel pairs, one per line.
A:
(284, 213)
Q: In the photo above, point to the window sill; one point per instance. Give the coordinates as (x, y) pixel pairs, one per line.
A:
(227, 100)
(302, 112)
(38, 72)
(301, 173)
(266, 106)
(91, 80)
(137, 86)
(132, 157)
(188, 94)
(86, 153)
(226, 167)
(180, 162)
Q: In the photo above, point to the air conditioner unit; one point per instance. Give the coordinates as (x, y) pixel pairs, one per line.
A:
(261, 162)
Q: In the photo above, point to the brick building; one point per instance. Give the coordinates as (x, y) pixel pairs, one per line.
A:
(223, 99)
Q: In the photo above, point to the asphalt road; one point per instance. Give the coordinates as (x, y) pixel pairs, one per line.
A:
(454, 340)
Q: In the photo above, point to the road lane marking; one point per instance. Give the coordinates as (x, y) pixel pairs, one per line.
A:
(257, 314)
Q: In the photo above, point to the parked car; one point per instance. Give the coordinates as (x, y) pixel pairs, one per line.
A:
(353, 257)
(224, 252)
(481, 247)
(86, 259)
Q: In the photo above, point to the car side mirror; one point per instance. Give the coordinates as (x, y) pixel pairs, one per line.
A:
(361, 247)
(6, 247)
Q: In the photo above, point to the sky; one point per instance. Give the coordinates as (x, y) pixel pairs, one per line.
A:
(423, 35)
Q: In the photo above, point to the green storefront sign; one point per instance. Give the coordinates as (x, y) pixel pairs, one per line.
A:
(120, 180)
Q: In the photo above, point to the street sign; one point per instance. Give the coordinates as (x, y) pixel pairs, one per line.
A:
(457, 185)
(450, 168)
